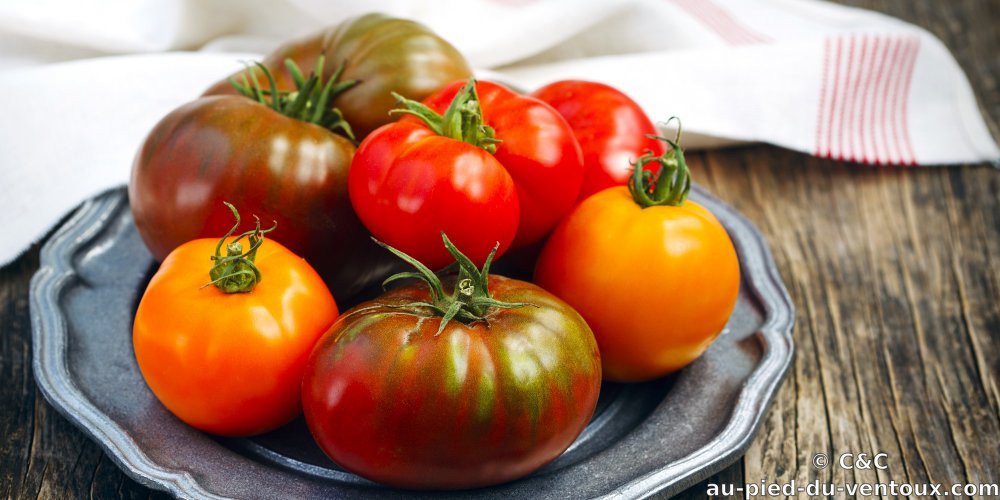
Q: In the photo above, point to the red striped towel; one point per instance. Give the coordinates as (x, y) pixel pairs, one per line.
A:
(828, 80)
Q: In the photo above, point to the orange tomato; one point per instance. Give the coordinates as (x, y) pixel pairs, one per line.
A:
(656, 284)
(230, 363)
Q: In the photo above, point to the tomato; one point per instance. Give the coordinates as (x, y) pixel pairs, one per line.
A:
(228, 359)
(279, 167)
(537, 147)
(382, 54)
(655, 276)
(409, 183)
(493, 166)
(400, 394)
(611, 128)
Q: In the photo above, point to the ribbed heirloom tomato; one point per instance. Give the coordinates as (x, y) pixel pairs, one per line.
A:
(471, 382)
(382, 53)
(227, 358)
(655, 275)
(611, 128)
(283, 156)
(477, 161)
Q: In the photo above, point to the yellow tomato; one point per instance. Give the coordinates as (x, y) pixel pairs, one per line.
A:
(656, 283)
(229, 359)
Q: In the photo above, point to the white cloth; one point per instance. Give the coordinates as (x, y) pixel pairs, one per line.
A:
(82, 82)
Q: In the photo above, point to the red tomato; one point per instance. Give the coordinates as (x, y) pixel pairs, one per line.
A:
(399, 394)
(611, 128)
(228, 359)
(655, 276)
(413, 179)
(538, 149)
(408, 184)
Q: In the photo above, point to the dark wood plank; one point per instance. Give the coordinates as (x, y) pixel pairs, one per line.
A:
(17, 392)
(896, 278)
(42, 455)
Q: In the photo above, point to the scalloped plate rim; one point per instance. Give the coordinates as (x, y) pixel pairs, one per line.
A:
(49, 336)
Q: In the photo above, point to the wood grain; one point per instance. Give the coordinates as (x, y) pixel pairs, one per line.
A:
(41, 454)
(895, 274)
(896, 277)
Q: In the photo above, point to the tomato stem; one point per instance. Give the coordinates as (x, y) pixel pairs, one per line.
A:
(236, 272)
(462, 121)
(309, 102)
(670, 184)
(469, 301)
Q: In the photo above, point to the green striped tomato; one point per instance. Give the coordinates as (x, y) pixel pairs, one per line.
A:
(382, 53)
(390, 399)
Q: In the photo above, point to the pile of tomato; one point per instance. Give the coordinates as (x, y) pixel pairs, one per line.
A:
(369, 157)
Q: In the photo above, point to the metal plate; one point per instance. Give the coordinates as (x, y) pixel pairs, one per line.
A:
(660, 436)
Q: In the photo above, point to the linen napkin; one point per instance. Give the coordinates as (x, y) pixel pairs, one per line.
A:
(82, 83)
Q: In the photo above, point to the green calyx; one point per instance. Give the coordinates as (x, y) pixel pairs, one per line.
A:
(309, 102)
(470, 301)
(670, 184)
(236, 272)
(462, 121)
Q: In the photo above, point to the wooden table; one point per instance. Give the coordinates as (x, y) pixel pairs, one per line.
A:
(895, 274)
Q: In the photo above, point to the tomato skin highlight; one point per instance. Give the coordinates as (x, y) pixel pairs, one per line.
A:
(230, 148)
(538, 149)
(656, 285)
(409, 184)
(384, 54)
(610, 127)
(230, 364)
(477, 405)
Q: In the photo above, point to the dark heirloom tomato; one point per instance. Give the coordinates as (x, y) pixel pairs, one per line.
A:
(383, 54)
(277, 167)
(399, 395)
(611, 128)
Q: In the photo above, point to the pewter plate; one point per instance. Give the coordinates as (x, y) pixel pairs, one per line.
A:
(656, 437)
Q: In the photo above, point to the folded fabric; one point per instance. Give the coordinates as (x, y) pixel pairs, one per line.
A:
(819, 78)
(815, 77)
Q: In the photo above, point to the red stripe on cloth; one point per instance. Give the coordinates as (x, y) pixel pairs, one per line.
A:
(913, 45)
(878, 150)
(693, 8)
(820, 148)
(866, 150)
(854, 148)
(847, 99)
(885, 99)
(743, 32)
(896, 103)
(721, 21)
(834, 94)
(864, 99)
